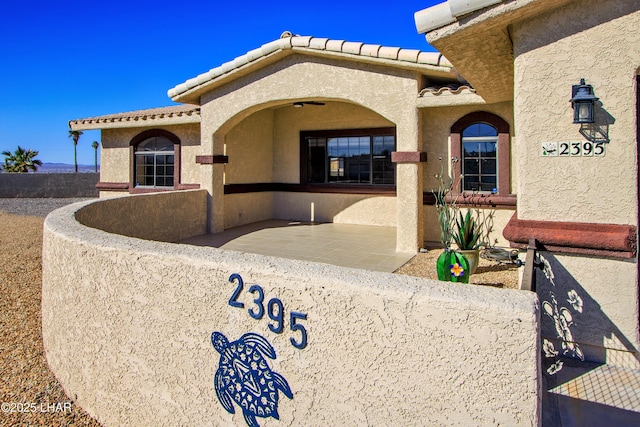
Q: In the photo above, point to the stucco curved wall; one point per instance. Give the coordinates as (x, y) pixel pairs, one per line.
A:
(127, 325)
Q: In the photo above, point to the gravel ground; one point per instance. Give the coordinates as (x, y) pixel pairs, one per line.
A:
(25, 375)
(489, 273)
(30, 395)
(35, 207)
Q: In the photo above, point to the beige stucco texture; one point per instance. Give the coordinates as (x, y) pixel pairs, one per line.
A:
(357, 95)
(116, 154)
(598, 42)
(127, 333)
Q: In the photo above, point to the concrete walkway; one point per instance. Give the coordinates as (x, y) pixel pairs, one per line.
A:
(357, 246)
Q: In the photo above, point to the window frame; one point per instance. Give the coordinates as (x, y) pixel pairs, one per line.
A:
(503, 147)
(142, 137)
(337, 133)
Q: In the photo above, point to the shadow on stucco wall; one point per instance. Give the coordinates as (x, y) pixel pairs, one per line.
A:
(573, 324)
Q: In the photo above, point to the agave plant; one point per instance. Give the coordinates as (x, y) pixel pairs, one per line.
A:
(468, 231)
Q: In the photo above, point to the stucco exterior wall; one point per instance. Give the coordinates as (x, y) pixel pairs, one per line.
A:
(168, 216)
(340, 208)
(596, 41)
(389, 92)
(436, 131)
(246, 208)
(289, 121)
(127, 332)
(116, 154)
(552, 52)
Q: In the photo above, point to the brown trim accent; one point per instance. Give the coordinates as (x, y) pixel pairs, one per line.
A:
(145, 190)
(475, 200)
(608, 240)
(408, 157)
(504, 146)
(379, 190)
(212, 159)
(112, 186)
(154, 132)
(188, 187)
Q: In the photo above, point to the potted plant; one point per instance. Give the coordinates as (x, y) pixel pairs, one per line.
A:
(468, 237)
(468, 231)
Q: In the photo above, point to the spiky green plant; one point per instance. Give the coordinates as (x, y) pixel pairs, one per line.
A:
(21, 160)
(468, 231)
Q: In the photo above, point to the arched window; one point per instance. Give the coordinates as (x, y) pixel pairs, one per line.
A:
(154, 163)
(481, 143)
(155, 160)
(479, 158)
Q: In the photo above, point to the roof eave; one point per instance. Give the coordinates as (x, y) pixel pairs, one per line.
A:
(108, 122)
(407, 59)
(477, 41)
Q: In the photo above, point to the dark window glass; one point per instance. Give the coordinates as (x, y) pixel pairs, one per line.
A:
(359, 159)
(154, 160)
(479, 157)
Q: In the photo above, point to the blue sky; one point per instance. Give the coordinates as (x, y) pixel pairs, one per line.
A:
(64, 60)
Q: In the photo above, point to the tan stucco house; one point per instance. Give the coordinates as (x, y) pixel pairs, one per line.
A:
(316, 129)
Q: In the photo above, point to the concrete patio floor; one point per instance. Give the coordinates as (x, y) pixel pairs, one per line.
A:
(357, 246)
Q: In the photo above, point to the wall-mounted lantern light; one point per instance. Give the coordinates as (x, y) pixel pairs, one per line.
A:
(582, 102)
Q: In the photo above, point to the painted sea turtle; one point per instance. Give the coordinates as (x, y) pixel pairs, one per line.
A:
(244, 377)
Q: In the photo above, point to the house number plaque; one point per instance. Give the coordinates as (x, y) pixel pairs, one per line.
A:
(572, 149)
(274, 309)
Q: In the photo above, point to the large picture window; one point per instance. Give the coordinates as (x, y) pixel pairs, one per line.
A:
(154, 163)
(355, 157)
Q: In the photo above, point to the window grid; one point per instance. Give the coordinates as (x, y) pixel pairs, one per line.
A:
(155, 163)
(479, 158)
(354, 159)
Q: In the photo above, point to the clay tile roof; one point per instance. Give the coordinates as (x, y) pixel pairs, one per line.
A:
(356, 50)
(174, 114)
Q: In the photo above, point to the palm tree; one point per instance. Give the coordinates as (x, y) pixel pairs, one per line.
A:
(95, 146)
(75, 135)
(20, 160)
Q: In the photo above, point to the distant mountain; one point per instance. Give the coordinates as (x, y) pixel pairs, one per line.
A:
(65, 168)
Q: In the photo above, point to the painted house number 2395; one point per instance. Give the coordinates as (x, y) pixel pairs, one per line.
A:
(274, 309)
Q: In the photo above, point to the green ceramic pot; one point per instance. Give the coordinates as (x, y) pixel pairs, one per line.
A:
(453, 267)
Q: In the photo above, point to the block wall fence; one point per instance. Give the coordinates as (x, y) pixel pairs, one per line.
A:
(48, 185)
(128, 322)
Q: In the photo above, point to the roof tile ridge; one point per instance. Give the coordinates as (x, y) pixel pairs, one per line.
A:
(353, 48)
(319, 43)
(372, 50)
(300, 41)
(334, 45)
